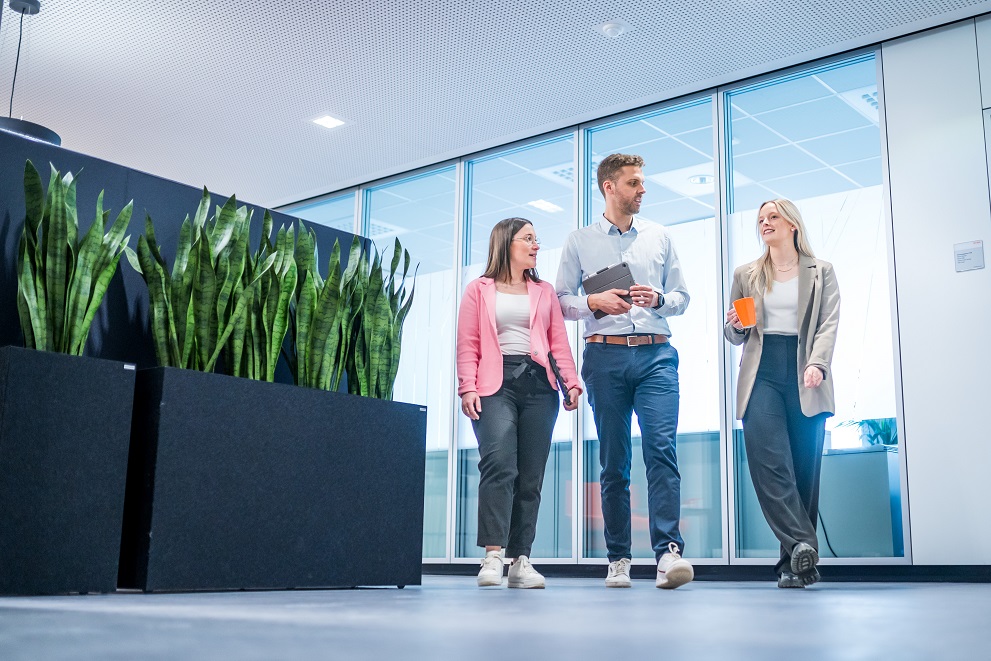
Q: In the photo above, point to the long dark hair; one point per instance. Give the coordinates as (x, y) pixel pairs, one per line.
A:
(500, 240)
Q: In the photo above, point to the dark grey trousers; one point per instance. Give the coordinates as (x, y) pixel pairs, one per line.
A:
(514, 439)
(784, 448)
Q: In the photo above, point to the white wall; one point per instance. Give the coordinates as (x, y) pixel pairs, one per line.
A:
(939, 196)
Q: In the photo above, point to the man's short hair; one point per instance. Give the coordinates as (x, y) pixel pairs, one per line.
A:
(611, 165)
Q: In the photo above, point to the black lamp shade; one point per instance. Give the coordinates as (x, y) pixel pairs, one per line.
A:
(30, 130)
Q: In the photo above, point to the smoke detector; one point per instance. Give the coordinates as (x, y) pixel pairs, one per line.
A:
(613, 28)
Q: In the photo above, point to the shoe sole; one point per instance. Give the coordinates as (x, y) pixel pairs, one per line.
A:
(804, 559)
(489, 582)
(810, 578)
(676, 577)
(615, 584)
(524, 586)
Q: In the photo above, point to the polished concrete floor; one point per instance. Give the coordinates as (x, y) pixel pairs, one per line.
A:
(449, 618)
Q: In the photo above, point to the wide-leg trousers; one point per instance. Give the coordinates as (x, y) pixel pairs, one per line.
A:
(514, 432)
(784, 447)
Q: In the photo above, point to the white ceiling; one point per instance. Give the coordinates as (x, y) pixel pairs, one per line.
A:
(222, 93)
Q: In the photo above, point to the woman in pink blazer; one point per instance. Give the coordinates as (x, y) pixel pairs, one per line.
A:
(509, 325)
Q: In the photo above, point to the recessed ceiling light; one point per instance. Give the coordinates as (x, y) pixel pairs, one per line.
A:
(328, 121)
(544, 205)
(614, 28)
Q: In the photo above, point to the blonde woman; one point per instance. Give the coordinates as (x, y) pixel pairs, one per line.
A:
(784, 393)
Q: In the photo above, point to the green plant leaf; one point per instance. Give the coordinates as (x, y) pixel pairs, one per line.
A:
(34, 199)
(204, 302)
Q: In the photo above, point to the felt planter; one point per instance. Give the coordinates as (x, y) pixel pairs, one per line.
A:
(64, 434)
(240, 484)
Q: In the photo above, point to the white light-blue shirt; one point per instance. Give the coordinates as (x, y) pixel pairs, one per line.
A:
(648, 250)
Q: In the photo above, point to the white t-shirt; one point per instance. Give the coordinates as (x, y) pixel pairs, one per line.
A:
(513, 323)
(781, 308)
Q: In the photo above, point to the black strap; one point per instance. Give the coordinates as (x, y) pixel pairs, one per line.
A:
(560, 379)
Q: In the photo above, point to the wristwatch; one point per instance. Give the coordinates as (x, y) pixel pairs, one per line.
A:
(660, 301)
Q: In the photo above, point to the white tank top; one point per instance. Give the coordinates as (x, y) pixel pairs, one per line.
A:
(513, 323)
(781, 308)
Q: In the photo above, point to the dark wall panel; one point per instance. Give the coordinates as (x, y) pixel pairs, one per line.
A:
(120, 331)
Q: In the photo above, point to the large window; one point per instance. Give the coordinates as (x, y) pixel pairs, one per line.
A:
(537, 183)
(419, 211)
(336, 212)
(814, 138)
(677, 146)
(812, 135)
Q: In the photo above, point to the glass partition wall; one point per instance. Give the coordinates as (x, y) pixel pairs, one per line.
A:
(812, 135)
(535, 182)
(677, 144)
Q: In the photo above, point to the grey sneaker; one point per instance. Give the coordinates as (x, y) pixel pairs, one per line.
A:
(491, 571)
(673, 570)
(619, 574)
(788, 579)
(810, 578)
(804, 559)
(523, 575)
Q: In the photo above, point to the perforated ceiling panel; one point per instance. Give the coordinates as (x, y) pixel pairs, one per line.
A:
(223, 93)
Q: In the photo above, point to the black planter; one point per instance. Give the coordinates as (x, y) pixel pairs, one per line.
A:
(64, 432)
(236, 484)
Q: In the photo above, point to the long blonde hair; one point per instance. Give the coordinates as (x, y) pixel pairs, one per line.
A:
(762, 271)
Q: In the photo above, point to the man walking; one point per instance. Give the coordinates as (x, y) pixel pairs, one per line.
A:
(629, 365)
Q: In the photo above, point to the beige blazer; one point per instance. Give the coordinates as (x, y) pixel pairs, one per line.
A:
(818, 317)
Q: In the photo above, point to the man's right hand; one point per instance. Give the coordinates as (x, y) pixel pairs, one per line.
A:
(609, 301)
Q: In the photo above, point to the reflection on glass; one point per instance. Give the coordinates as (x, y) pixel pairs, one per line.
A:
(536, 183)
(420, 212)
(677, 147)
(814, 138)
(336, 212)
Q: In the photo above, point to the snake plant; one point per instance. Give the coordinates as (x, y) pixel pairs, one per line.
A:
(373, 360)
(61, 280)
(196, 308)
(323, 314)
(256, 343)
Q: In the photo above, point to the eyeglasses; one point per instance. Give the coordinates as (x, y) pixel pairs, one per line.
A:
(531, 240)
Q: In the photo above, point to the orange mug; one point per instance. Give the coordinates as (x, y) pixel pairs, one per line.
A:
(745, 310)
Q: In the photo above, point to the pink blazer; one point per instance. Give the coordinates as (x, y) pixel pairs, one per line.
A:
(479, 355)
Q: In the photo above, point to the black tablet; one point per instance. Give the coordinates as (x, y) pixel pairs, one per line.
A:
(617, 276)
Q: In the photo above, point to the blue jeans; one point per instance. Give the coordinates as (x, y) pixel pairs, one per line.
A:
(619, 381)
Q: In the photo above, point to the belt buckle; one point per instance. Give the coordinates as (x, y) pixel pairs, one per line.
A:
(633, 340)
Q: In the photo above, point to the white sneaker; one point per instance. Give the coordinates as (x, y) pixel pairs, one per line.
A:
(619, 574)
(491, 571)
(673, 570)
(523, 575)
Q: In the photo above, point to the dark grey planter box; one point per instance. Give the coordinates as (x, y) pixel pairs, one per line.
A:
(238, 484)
(64, 433)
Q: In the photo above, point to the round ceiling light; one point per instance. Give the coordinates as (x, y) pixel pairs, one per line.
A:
(613, 28)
